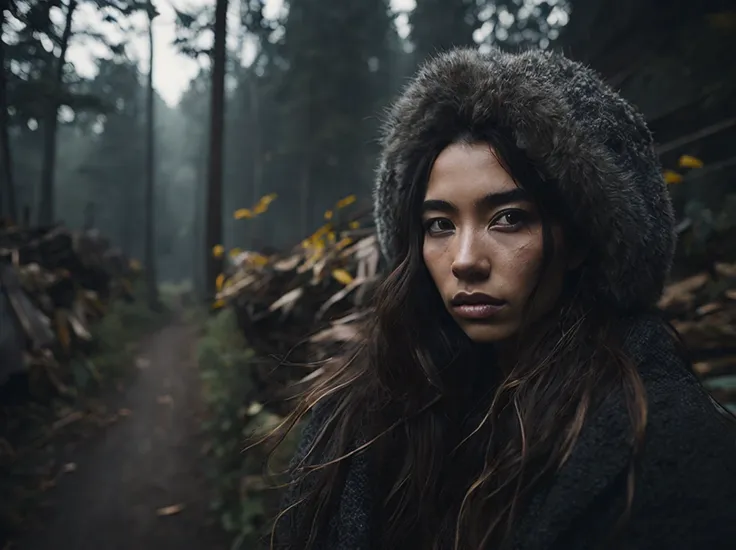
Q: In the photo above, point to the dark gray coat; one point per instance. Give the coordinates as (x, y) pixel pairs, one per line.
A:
(685, 495)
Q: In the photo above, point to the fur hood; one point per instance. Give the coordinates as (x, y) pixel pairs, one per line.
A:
(577, 130)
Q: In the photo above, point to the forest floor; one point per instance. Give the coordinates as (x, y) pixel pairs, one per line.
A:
(140, 483)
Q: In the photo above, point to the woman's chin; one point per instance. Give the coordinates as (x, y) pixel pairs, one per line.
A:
(488, 333)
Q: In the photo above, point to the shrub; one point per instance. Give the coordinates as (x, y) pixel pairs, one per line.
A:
(243, 500)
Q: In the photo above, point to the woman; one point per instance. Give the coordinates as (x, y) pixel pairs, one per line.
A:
(515, 388)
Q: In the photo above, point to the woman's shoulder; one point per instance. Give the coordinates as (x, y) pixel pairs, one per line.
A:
(686, 480)
(680, 412)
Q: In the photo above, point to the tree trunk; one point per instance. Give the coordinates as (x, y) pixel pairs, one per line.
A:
(51, 125)
(255, 130)
(130, 193)
(7, 190)
(217, 123)
(197, 240)
(149, 239)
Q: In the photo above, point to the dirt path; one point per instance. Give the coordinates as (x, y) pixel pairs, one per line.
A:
(147, 461)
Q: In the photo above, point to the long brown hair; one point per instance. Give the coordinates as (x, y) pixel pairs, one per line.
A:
(397, 397)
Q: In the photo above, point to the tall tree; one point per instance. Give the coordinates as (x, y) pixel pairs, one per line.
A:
(112, 175)
(150, 256)
(194, 105)
(438, 25)
(217, 125)
(51, 121)
(339, 59)
(7, 188)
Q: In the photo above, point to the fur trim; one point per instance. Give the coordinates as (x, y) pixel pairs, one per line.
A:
(579, 132)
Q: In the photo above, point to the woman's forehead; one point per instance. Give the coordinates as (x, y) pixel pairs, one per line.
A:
(467, 171)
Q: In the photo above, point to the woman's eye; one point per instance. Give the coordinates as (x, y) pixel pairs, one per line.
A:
(510, 219)
(438, 225)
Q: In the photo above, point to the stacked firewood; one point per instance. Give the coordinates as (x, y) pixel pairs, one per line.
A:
(54, 283)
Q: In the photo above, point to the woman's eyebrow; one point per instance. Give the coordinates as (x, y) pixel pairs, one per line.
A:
(494, 200)
(436, 205)
(489, 201)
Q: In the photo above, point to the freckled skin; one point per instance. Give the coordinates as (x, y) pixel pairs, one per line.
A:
(472, 245)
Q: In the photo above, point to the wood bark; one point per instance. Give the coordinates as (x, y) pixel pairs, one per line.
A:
(217, 124)
(46, 201)
(8, 204)
(149, 198)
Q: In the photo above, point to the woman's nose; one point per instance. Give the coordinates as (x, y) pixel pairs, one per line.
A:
(470, 263)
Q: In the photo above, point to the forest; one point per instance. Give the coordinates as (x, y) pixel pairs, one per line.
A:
(233, 221)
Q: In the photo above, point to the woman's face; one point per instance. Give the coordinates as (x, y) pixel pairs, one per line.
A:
(483, 245)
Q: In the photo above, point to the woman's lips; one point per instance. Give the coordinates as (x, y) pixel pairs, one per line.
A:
(475, 305)
(477, 311)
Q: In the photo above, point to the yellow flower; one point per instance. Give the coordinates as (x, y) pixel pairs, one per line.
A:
(260, 208)
(242, 213)
(218, 250)
(219, 281)
(342, 276)
(670, 176)
(328, 215)
(354, 225)
(688, 161)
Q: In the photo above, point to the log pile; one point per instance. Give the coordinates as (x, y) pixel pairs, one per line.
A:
(54, 283)
(302, 306)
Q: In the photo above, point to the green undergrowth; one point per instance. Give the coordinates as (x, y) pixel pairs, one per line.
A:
(244, 499)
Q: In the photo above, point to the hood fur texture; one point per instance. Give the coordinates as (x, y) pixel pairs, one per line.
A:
(577, 130)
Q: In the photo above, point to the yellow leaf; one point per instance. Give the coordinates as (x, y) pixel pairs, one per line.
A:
(354, 225)
(235, 252)
(242, 213)
(218, 250)
(344, 242)
(670, 176)
(268, 199)
(260, 208)
(328, 215)
(218, 304)
(322, 231)
(688, 161)
(342, 203)
(342, 276)
(259, 259)
(219, 281)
